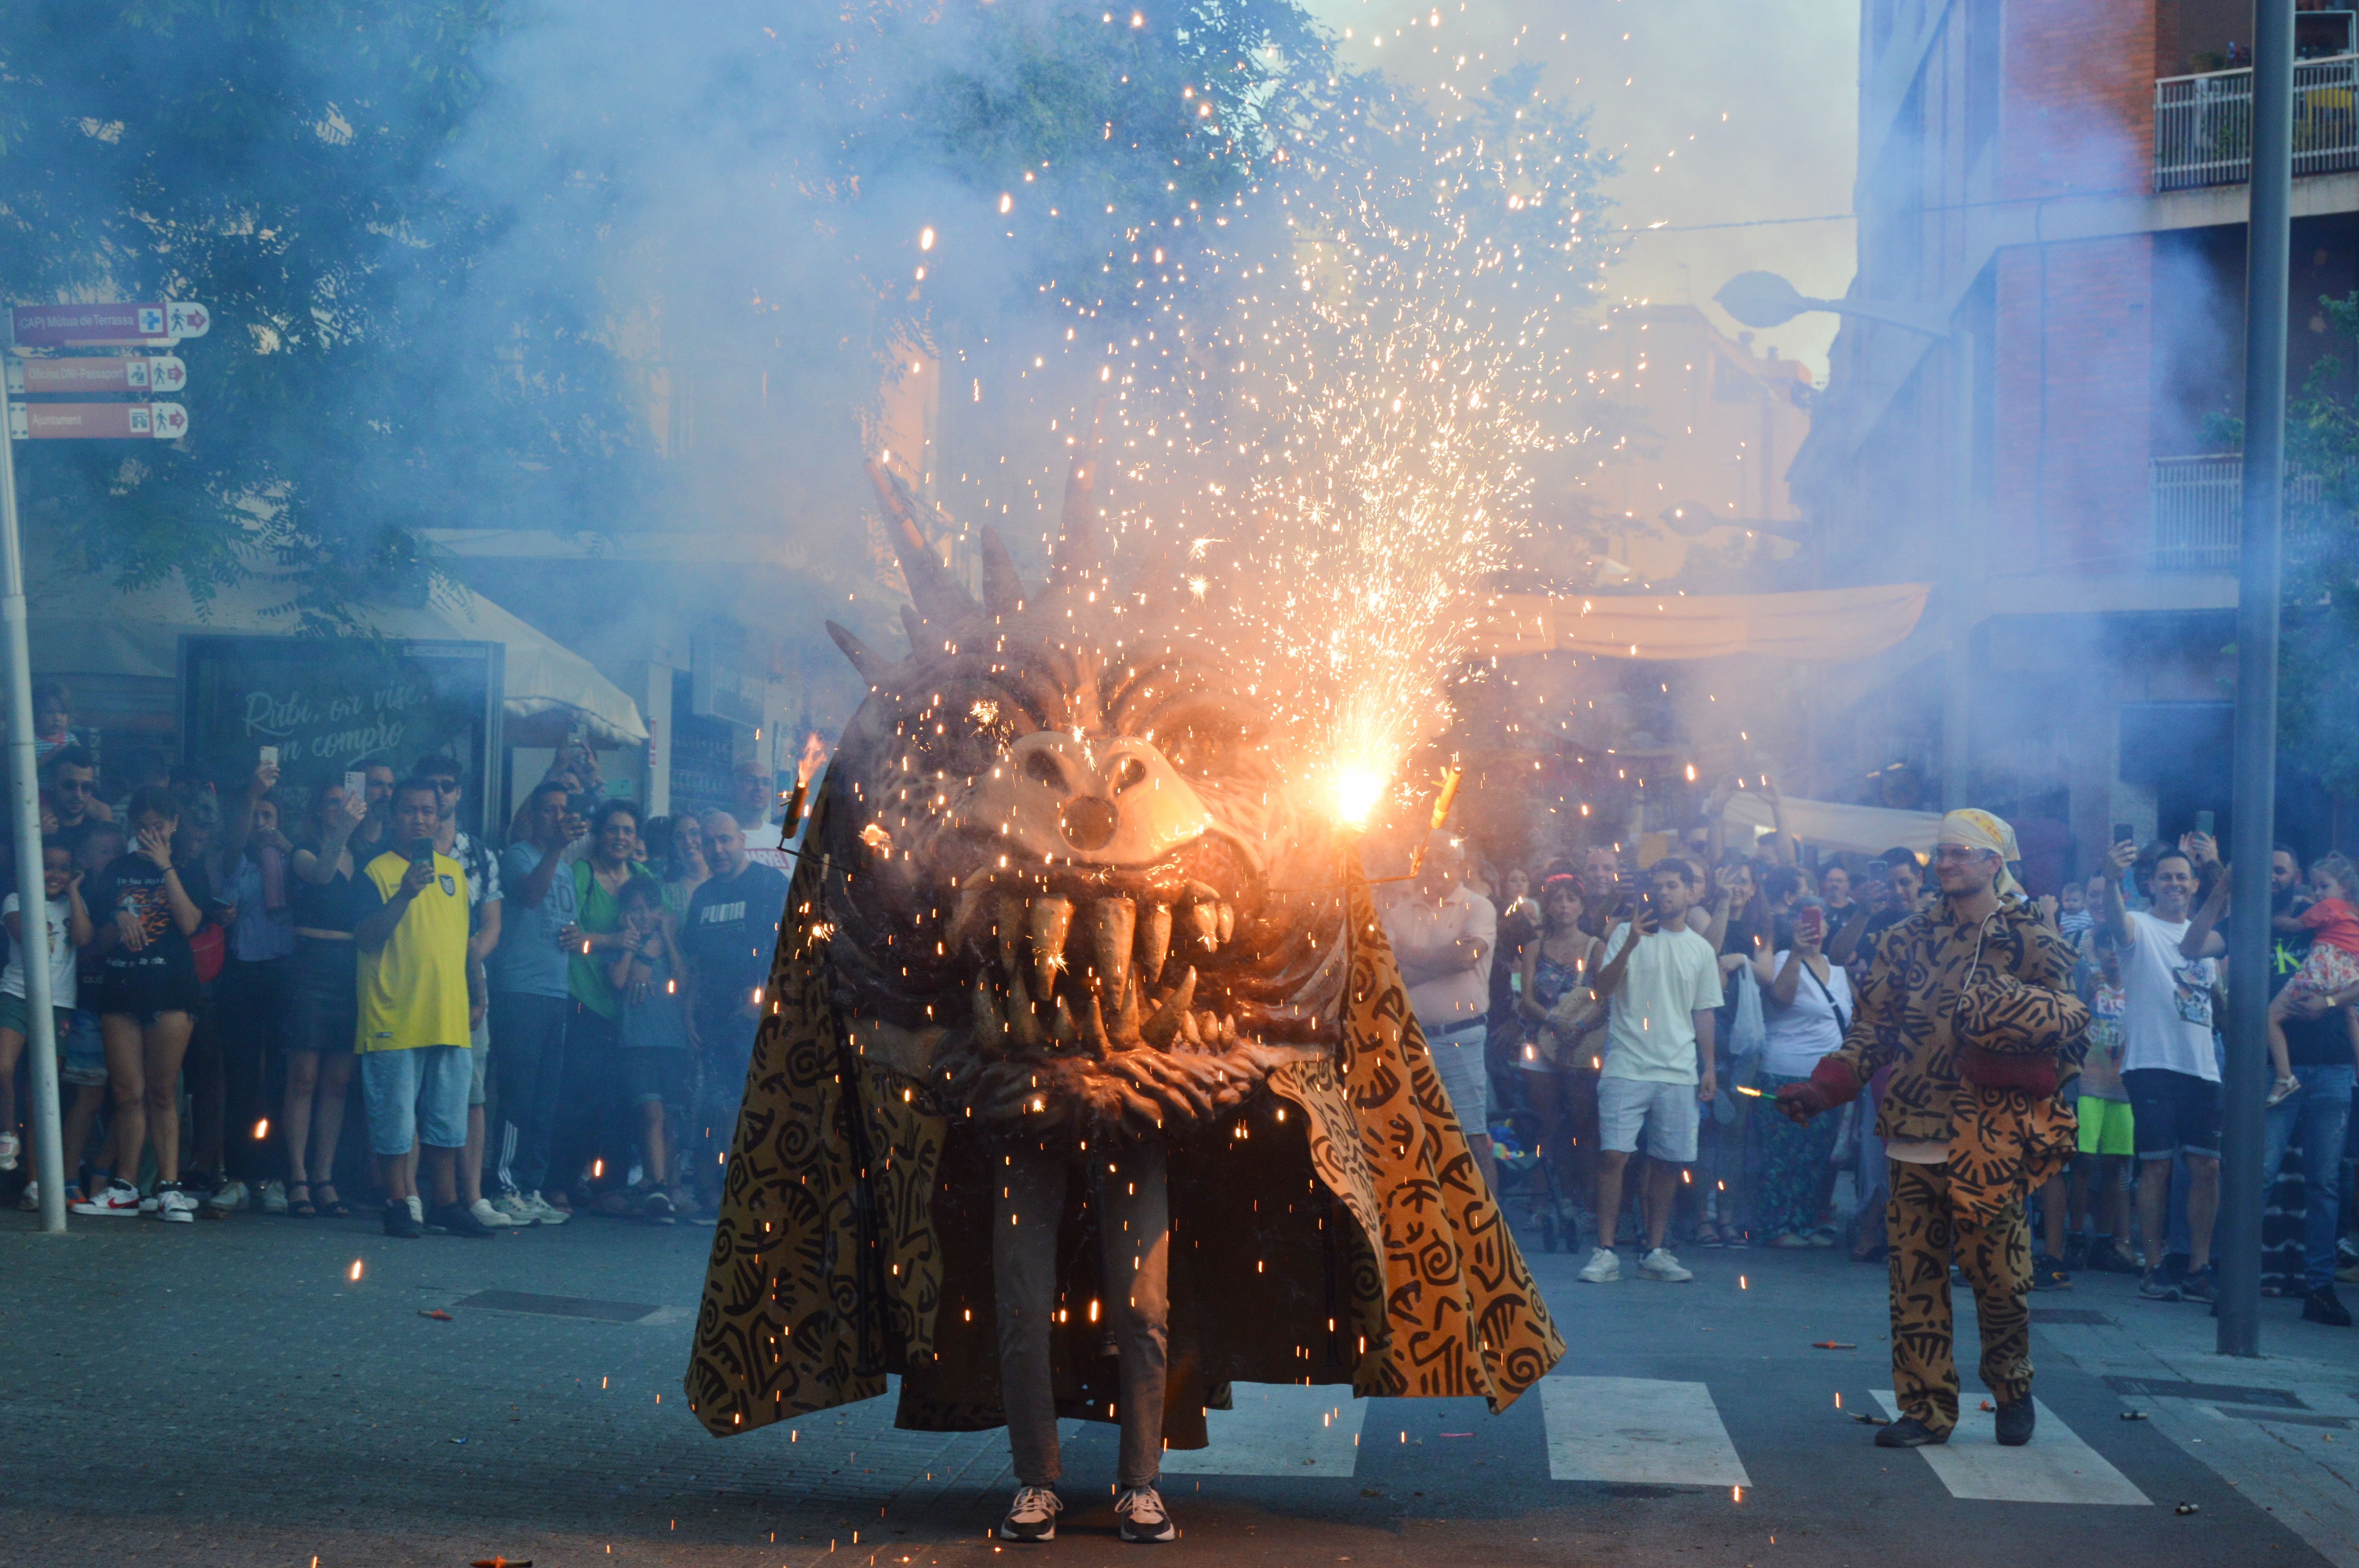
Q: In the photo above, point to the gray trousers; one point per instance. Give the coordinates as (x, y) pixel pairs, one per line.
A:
(1134, 1214)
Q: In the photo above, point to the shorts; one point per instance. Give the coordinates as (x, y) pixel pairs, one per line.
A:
(655, 1078)
(144, 994)
(1669, 1113)
(2173, 1113)
(2106, 1126)
(416, 1097)
(82, 1050)
(322, 1014)
(14, 1016)
(479, 1054)
(1458, 1062)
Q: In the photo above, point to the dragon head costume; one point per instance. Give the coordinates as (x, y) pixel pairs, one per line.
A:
(1058, 893)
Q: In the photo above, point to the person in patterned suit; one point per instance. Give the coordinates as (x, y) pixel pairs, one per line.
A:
(1969, 1003)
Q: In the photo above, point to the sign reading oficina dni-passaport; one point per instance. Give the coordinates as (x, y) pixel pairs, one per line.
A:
(97, 373)
(97, 421)
(156, 324)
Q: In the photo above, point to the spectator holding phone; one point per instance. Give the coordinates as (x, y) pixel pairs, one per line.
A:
(530, 1000)
(1806, 1004)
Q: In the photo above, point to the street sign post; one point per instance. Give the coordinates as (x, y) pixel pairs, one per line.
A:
(154, 324)
(97, 421)
(90, 373)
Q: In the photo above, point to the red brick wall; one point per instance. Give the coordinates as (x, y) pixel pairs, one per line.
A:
(2071, 465)
(2078, 111)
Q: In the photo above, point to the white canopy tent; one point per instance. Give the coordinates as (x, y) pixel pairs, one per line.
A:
(81, 625)
(1861, 829)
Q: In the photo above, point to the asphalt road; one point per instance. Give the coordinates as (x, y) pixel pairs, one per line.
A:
(226, 1393)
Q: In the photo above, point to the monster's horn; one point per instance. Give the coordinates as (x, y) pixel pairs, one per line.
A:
(1003, 591)
(1077, 529)
(938, 595)
(864, 658)
(916, 628)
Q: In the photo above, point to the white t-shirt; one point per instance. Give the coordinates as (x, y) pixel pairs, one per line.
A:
(1419, 924)
(64, 962)
(1651, 1037)
(2166, 1002)
(1800, 1034)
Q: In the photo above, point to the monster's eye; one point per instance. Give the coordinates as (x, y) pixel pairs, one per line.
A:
(958, 736)
(1203, 744)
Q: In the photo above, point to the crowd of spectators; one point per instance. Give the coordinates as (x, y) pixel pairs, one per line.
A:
(559, 1023)
(1643, 1016)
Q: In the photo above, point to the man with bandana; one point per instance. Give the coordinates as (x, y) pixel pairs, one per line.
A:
(1969, 1003)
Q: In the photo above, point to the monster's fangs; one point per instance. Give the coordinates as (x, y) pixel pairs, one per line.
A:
(1061, 972)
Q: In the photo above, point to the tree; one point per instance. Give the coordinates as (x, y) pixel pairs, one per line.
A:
(2317, 700)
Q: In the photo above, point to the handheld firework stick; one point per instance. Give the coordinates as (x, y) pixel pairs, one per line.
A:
(791, 811)
(1442, 804)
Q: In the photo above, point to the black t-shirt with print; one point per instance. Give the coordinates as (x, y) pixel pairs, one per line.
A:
(133, 882)
(731, 934)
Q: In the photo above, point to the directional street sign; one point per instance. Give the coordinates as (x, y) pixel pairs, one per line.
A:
(97, 373)
(97, 421)
(155, 324)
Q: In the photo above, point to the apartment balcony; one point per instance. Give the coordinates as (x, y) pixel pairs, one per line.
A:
(2199, 510)
(2203, 125)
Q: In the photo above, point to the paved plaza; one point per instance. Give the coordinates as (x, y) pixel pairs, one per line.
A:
(227, 1393)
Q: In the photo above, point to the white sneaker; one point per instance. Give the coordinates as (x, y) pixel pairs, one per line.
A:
(483, 1211)
(1603, 1268)
(118, 1199)
(515, 1207)
(230, 1197)
(29, 1200)
(174, 1206)
(149, 1204)
(1660, 1265)
(9, 1149)
(1144, 1520)
(274, 1198)
(416, 1208)
(1032, 1516)
(545, 1212)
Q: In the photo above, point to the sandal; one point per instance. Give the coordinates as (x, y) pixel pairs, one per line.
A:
(329, 1207)
(300, 1208)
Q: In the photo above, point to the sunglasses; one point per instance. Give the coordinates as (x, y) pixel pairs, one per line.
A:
(1959, 854)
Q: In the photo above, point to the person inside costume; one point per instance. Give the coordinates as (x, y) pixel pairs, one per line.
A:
(1969, 1004)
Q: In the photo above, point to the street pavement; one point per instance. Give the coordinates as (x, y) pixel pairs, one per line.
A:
(227, 1394)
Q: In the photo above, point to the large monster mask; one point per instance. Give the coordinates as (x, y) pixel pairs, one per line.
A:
(1059, 891)
(1082, 901)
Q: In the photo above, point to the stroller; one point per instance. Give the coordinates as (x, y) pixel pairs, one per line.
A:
(1527, 1191)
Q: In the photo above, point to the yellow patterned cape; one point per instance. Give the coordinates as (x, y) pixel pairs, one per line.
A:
(1334, 1231)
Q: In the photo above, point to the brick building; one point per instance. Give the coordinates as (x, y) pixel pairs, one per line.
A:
(2059, 183)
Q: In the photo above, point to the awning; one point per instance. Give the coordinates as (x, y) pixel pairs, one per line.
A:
(81, 625)
(1835, 625)
(1862, 830)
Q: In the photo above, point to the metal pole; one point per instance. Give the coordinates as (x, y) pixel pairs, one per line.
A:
(32, 899)
(2269, 240)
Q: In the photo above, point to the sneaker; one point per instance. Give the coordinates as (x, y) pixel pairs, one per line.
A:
(516, 1207)
(1909, 1433)
(2076, 1251)
(399, 1221)
(274, 1198)
(657, 1206)
(2200, 1284)
(1793, 1240)
(2015, 1419)
(2322, 1305)
(229, 1197)
(2348, 1273)
(1603, 1268)
(2048, 1274)
(1032, 1516)
(174, 1204)
(1660, 1265)
(1144, 1519)
(148, 1203)
(2155, 1288)
(9, 1149)
(2285, 1088)
(490, 1217)
(29, 1200)
(544, 1212)
(455, 1219)
(1824, 1236)
(118, 1198)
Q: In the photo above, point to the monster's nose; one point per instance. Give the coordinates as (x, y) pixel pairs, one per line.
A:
(1116, 801)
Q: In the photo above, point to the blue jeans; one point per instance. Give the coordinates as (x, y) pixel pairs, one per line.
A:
(530, 1034)
(2321, 1110)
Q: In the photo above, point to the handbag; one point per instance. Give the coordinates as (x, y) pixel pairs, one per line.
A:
(208, 948)
(1748, 1029)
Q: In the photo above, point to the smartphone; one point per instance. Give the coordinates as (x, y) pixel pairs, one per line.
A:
(2203, 820)
(356, 786)
(1812, 921)
(2123, 833)
(270, 756)
(422, 853)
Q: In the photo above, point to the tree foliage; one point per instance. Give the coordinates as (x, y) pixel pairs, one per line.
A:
(2318, 696)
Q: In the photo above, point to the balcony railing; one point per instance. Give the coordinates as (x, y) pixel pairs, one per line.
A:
(2199, 510)
(2203, 125)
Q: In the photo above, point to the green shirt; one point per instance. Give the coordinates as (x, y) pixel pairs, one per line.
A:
(601, 912)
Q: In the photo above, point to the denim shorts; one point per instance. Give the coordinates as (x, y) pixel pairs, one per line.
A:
(416, 1097)
(79, 1061)
(1667, 1111)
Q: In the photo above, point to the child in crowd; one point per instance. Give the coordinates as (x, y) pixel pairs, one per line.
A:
(2073, 920)
(70, 933)
(2100, 1173)
(52, 719)
(2333, 961)
(655, 1055)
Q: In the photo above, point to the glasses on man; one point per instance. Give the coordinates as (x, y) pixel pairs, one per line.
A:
(1958, 854)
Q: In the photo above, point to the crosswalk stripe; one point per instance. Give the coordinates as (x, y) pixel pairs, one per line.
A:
(1278, 1429)
(1637, 1430)
(2055, 1467)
